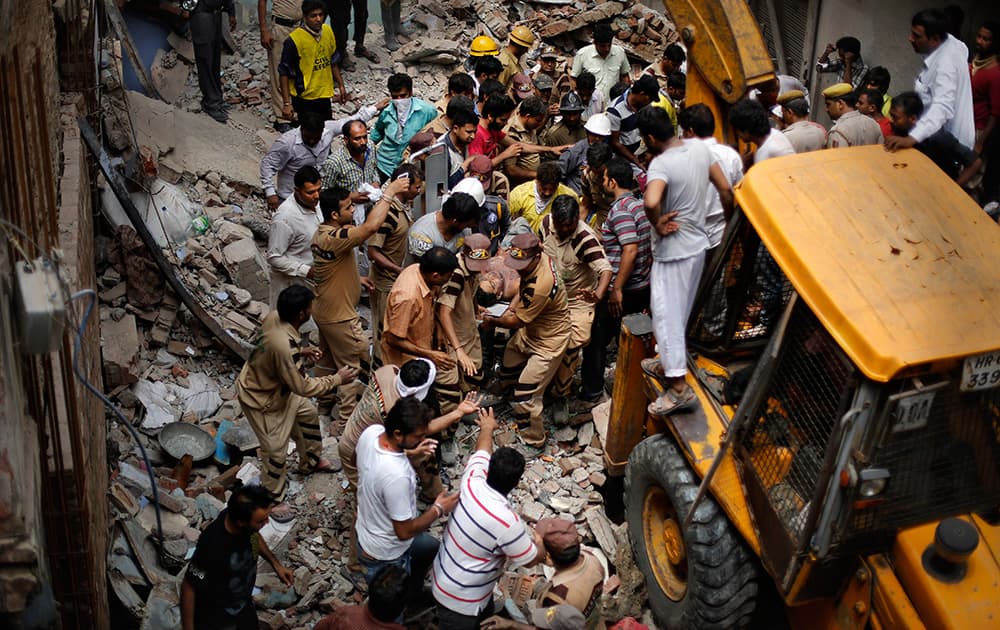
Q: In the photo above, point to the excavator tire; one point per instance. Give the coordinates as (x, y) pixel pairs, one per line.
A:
(700, 578)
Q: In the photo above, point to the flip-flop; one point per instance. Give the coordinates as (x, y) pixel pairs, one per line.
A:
(671, 402)
(326, 466)
(653, 367)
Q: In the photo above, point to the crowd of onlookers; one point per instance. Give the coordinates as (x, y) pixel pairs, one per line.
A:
(500, 235)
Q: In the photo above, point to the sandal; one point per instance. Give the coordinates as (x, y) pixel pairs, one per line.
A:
(282, 513)
(653, 367)
(325, 465)
(672, 402)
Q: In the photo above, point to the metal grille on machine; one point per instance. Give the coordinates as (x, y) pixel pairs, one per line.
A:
(788, 442)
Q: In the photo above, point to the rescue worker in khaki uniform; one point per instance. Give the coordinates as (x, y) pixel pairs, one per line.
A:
(540, 317)
(338, 286)
(285, 17)
(387, 251)
(388, 384)
(851, 128)
(521, 40)
(274, 392)
(585, 271)
(457, 320)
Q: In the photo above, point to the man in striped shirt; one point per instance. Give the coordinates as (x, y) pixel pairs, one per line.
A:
(482, 534)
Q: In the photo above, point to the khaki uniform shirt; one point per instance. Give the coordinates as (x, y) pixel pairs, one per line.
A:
(335, 273)
(854, 129)
(409, 315)
(375, 404)
(805, 136)
(515, 129)
(287, 9)
(274, 370)
(459, 295)
(511, 66)
(600, 200)
(543, 308)
(579, 259)
(559, 134)
(391, 238)
(580, 587)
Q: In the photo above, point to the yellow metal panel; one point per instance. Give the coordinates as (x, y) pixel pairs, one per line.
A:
(891, 608)
(989, 535)
(971, 603)
(724, 43)
(895, 260)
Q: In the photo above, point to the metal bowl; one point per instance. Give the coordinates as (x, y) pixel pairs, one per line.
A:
(183, 438)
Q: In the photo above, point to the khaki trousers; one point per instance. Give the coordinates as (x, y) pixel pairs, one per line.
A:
(344, 344)
(454, 383)
(530, 373)
(299, 421)
(279, 34)
(378, 299)
(581, 317)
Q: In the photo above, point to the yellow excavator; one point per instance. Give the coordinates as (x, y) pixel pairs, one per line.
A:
(842, 469)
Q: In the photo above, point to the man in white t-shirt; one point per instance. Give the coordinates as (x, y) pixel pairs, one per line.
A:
(749, 121)
(677, 182)
(698, 122)
(390, 531)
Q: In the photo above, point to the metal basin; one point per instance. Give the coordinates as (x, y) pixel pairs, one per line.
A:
(183, 438)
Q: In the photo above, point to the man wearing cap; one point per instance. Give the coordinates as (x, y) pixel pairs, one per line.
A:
(623, 116)
(586, 273)
(606, 61)
(521, 39)
(285, 17)
(521, 87)
(494, 182)
(804, 134)
(543, 89)
(540, 316)
(850, 128)
(532, 200)
(571, 162)
(389, 383)
(569, 130)
(409, 324)
(457, 318)
(579, 576)
(387, 252)
(550, 66)
(523, 128)
(483, 534)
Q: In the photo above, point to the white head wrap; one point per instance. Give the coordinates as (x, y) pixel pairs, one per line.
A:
(420, 391)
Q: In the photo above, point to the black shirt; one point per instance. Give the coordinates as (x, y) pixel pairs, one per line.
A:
(950, 155)
(223, 571)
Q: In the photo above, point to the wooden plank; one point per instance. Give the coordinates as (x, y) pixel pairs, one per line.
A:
(121, 30)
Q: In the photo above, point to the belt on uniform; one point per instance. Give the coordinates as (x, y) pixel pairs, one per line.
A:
(286, 22)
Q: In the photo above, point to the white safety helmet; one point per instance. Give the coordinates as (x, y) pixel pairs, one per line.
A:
(598, 124)
(472, 187)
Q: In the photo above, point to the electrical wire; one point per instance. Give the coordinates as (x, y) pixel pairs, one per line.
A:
(154, 488)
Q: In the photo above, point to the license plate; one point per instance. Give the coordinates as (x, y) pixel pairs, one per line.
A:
(981, 372)
(913, 412)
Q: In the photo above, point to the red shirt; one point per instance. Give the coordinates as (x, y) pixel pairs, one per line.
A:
(986, 95)
(354, 618)
(886, 126)
(486, 142)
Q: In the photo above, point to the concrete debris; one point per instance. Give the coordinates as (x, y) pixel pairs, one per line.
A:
(120, 346)
(247, 267)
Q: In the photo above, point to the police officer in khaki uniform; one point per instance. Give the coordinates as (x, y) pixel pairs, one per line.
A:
(521, 39)
(274, 392)
(540, 317)
(851, 128)
(804, 134)
(457, 320)
(285, 18)
(586, 273)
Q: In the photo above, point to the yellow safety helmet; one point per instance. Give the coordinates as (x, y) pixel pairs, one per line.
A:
(522, 36)
(484, 46)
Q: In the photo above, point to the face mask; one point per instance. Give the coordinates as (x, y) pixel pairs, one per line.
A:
(402, 106)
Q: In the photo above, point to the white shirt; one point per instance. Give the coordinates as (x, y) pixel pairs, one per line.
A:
(945, 87)
(387, 492)
(775, 145)
(288, 154)
(685, 171)
(731, 163)
(482, 533)
(607, 70)
(289, 244)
